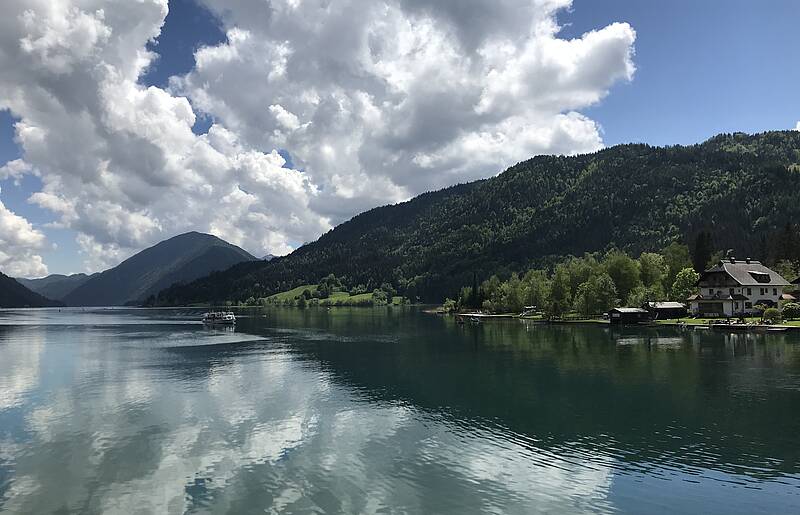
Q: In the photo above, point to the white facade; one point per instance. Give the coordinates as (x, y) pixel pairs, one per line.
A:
(725, 309)
(754, 295)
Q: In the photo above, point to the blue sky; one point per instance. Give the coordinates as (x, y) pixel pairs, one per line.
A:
(701, 68)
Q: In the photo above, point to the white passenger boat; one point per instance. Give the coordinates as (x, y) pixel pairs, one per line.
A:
(219, 318)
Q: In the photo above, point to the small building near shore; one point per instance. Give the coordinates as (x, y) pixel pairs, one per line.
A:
(628, 316)
(735, 287)
(720, 304)
(666, 310)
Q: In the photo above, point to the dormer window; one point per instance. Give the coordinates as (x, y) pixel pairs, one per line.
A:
(760, 277)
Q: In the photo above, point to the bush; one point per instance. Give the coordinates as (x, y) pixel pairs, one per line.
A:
(358, 290)
(379, 298)
(791, 311)
(771, 315)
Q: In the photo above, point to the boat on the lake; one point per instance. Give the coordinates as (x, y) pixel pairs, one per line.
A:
(219, 318)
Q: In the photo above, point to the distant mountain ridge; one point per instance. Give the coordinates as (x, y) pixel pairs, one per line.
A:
(15, 295)
(741, 188)
(179, 259)
(55, 286)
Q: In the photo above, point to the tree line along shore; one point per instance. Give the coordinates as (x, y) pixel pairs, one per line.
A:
(587, 287)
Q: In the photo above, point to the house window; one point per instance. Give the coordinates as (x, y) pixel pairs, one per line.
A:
(748, 305)
(711, 291)
(749, 291)
(774, 291)
(762, 291)
(731, 291)
(736, 305)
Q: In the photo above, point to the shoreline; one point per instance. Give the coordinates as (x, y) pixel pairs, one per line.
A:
(747, 328)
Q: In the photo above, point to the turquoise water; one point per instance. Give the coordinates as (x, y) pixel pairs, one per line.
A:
(390, 411)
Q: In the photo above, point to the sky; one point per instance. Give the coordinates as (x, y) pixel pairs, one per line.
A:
(268, 122)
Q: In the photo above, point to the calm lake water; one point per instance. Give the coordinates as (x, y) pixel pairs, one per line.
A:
(390, 411)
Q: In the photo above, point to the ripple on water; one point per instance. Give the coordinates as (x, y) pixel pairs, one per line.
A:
(165, 416)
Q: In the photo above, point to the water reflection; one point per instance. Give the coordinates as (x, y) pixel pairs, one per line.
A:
(19, 369)
(645, 397)
(349, 411)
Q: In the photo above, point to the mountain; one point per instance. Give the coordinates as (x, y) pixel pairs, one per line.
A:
(741, 188)
(15, 295)
(55, 286)
(179, 259)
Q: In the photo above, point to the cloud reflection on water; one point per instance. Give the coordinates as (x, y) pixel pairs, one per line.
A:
(167, 420)
(122, 433)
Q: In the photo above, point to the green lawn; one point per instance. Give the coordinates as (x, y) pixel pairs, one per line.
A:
(342, 298)
(291, 294)
(337, 298)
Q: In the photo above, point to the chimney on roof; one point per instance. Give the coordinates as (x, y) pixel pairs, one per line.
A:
(733, 260)
(747, 261)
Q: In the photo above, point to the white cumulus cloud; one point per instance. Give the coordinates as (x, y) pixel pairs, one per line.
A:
(15, 170)
(397, 97)
(375, 102)
(20, 246)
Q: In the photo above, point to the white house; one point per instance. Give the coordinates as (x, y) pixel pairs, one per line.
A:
(734, 287)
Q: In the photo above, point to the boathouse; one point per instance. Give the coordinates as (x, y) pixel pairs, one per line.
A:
(628, 316)
(666, 310)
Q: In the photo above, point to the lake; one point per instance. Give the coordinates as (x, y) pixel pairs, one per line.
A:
(390, 410)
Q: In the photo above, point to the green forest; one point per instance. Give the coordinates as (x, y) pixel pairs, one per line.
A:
(739, 190)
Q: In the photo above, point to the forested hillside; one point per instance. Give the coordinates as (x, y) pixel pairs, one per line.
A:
(55, 286)
(741, 189)
(181, 258)
(15, 295)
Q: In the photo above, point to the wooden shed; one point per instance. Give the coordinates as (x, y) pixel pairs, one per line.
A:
(666, 310)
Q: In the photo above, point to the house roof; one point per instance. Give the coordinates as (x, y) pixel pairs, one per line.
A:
(718, 296)
(629, 310)
(666, 305)
(751, 273)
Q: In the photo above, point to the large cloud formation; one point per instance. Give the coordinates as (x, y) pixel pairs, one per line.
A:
(19, 244)
(375, 102)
